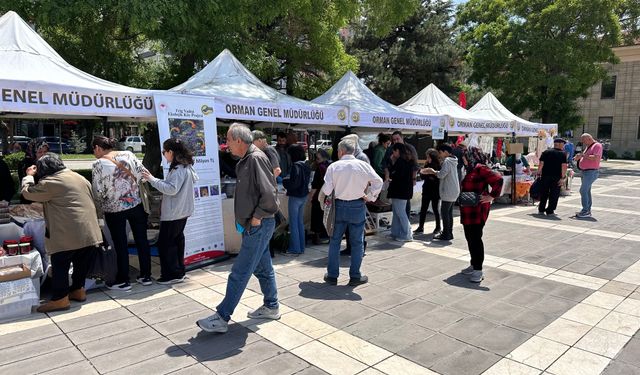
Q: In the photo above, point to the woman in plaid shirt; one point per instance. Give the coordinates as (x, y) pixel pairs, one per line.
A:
(478, 178)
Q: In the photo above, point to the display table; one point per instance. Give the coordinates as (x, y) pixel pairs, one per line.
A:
(18, 297)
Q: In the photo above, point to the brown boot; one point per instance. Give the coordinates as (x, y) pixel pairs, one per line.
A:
(78, 295)
(57, 305)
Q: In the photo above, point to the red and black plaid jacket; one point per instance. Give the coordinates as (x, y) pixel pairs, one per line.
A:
(478, 181)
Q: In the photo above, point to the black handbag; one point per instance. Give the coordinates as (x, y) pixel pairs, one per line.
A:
(103, 264)
(536, 189)
(469, 199)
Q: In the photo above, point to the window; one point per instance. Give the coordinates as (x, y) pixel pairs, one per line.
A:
(608, 90)
(604, 127)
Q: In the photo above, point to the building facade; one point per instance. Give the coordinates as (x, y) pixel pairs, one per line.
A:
(612, 109)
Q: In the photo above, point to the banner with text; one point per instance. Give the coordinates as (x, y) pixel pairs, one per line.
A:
(192, 120)
(69, 101)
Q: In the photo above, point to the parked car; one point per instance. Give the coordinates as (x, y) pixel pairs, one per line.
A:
(132, 143)
(323, 143)
(19, 139)
(57, 145)
(304, 145)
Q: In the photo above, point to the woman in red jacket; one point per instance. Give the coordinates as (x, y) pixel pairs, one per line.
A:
(478, 179)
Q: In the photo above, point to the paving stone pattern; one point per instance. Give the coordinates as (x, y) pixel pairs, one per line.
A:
(568, 304)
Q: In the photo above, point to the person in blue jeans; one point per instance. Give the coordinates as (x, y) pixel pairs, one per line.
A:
(353, 183)
(255, 205)
(589, 163)
(297, 185)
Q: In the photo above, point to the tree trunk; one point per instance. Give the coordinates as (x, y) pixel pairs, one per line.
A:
(4, 136)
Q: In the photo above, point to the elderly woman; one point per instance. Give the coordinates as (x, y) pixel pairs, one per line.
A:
(478, 179)
(72, 230)
(116, 181)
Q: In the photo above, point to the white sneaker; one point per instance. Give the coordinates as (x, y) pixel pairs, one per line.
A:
(467, 271)
(583, 214)
(213, 323)
(263, 312)
(476, 277)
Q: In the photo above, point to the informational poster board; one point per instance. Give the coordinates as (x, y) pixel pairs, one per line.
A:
(192, 120)
(437, 131)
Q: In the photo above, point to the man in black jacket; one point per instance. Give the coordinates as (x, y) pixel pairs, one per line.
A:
(255, 205)
(552, 169)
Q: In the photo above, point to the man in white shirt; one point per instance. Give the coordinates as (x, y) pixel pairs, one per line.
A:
(355, 183)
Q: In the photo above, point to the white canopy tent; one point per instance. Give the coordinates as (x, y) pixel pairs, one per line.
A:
(490, 107)
(36, 82)
(368, 110)
(434, 102)
(240, 95)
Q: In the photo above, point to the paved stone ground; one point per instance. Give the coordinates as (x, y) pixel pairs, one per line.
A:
(561, 297)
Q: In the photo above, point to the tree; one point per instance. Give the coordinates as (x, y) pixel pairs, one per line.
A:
(541, 55)
(290, 44)
(422, 50)
(629, 14)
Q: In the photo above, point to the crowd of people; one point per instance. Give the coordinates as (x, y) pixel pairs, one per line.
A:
(73, 206)
(452, 174)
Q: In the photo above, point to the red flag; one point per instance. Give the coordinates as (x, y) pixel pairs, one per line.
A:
(462, 99)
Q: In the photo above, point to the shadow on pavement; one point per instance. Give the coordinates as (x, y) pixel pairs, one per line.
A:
(461, 281)
(323, 291)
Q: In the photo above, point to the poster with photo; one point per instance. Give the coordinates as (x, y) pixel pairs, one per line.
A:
(191, 119)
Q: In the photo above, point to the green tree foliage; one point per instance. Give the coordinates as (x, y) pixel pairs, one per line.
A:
(290, 44)
(541, 55)
(422, 50)
(629, 13)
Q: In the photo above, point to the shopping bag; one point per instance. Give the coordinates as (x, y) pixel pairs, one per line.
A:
(329, 216)
(535, 190)
(103, 264)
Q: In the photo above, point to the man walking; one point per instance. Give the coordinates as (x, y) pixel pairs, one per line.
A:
(255, 205)
(553, 171)
(281, 149)
(354, 183)
(589, 164)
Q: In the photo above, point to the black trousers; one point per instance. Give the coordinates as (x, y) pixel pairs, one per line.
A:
(447, 218)
(473, 234)
(117, 224)
(434, 199)
(171, 248)
(550, 191)
(60, 263)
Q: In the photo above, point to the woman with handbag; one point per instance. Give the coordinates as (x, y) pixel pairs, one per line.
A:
(72, 231)
(116, 180)
(177, 206)
(475, 203)
(430, 192)
(317, 225)
(400, 191)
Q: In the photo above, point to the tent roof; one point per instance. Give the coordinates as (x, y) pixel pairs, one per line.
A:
(28, 63)
(367, 108)
(231, 84)
(490, 107)
(432, 100)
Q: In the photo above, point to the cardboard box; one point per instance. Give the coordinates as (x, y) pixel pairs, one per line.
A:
(5, 275)
(515, 148)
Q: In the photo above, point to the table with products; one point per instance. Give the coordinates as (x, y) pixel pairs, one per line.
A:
(20, 273)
